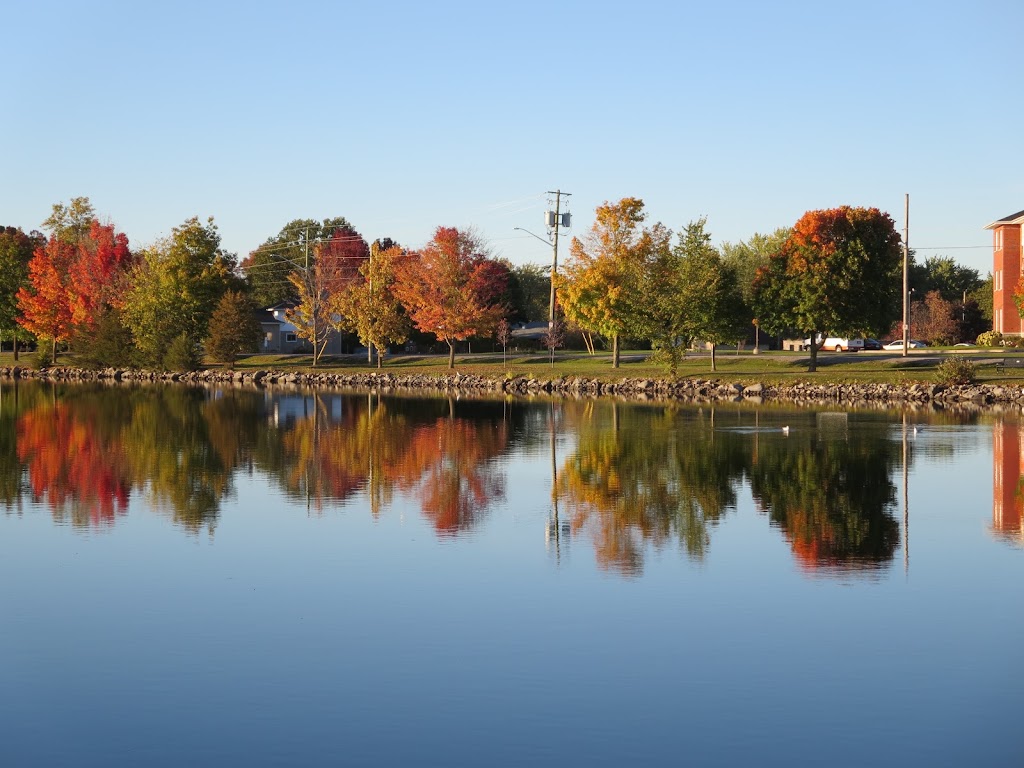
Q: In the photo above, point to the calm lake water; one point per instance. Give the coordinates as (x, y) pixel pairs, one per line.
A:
(233, 577)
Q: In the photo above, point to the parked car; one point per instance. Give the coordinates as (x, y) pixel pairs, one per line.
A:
(872, 344)
(837, 344)
(898, 344)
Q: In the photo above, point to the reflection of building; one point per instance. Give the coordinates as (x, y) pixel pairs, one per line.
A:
(286, 409)
(1006, 272)
(1007, 479)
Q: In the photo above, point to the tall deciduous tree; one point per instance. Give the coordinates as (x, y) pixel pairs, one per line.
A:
(98, 274)
(839, 272)
(16, 249)
(71, 222)
(175, 288)
(746, 257)
(267, 268)
(600, 285)
(45, 304)
(335, 267)
(690, 295)
(451, 288)
(369, 307)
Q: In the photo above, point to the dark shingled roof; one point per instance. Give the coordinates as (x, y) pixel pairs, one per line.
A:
(1006, 219)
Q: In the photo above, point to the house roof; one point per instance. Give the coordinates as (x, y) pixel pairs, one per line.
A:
(1013, 218)
(530, 331)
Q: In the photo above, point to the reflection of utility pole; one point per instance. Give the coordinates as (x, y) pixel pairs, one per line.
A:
(906, 503)
(556, 528)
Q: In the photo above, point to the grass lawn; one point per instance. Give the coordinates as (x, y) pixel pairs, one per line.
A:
(767, 367)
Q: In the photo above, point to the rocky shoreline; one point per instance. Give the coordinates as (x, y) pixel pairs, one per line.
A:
(687, 390)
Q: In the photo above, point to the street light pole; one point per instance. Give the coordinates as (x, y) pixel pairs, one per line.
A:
(906, 274)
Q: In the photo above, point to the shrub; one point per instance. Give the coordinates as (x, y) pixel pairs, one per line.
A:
(182, 354)
(990, 339)
(109, 344)
(956, 370)
(233, 329)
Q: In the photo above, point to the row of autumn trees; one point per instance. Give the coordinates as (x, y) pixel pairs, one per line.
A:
(82, 285)
(835, 271)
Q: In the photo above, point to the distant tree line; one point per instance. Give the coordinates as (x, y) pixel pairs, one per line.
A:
(78, 285)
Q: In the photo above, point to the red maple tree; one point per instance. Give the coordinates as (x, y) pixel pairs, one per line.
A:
(97, 273)
(451, 288)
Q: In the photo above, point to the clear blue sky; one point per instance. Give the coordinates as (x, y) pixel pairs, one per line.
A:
(406, 116)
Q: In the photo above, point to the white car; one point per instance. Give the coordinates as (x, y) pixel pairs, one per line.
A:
(898, 344)
(837, 344)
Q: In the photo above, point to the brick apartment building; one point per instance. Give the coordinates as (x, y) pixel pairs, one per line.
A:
(1006, 272)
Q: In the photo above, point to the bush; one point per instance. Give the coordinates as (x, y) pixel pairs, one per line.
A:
(990, 339)
(41, 358)
(182, 354)
(956, 370)
(108, 345)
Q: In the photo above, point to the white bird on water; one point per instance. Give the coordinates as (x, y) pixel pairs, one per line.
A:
(785, 430)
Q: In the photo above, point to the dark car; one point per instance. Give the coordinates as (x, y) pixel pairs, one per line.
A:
(872, 344)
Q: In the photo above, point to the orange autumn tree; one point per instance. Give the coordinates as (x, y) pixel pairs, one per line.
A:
(46, 303)
(451, 288)
(600, 287)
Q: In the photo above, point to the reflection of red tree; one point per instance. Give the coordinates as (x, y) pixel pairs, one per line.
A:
(446, 465)
(70, 464)
(818, 545)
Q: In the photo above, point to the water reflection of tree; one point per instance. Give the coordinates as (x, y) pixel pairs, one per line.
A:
(646, 476)
(86, 448)
(67, 450)
(435, 450)
(832, 496)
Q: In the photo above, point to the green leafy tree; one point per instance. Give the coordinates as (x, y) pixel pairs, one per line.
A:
(267, 268)
(233, 328)
(528, 294)
(748, 256)
(107, 344)
(70, 223)
(941, 273)
(16, 249)
(689, 295)
(175, 288)
(839, 272)
(709, 291)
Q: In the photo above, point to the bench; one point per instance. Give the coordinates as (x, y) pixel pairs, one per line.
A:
(1009, 362)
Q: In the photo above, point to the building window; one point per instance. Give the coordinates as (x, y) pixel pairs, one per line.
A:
(290, 338)
(997, 237)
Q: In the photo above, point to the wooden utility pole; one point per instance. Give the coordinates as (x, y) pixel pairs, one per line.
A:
(554, 259)
(906, 274)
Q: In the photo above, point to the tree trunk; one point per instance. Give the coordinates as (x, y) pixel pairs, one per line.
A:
(615, 350)
(15, 345)
(380, 357)
(53, 357)
(812, 366)
(451, 356)
(713, 365)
